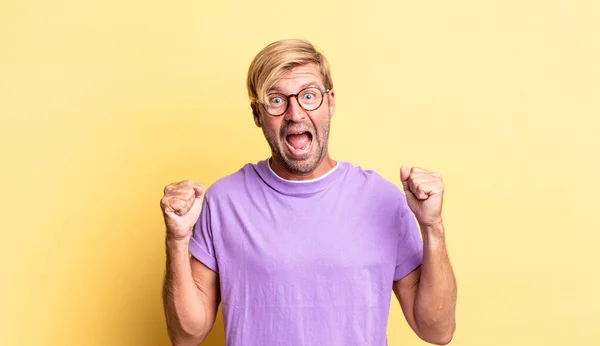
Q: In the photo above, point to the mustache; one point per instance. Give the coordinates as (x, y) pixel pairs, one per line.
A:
(296, 127)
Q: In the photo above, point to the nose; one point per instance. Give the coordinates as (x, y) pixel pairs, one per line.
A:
(294, 111)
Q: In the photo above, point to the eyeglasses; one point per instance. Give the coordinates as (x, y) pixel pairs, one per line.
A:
(309, 99)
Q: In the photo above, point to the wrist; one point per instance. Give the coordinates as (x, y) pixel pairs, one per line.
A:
(178, 242)
(433, 232)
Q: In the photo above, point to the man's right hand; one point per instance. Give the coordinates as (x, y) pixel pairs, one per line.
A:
(181, 206)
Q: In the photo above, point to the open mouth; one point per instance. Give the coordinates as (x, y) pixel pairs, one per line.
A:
(299, 142)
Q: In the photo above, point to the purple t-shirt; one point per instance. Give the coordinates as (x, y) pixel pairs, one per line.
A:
(306, 263)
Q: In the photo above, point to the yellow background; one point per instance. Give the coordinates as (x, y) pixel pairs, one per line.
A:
(103, 103)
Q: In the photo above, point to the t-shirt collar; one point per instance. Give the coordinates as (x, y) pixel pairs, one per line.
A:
(299, 187)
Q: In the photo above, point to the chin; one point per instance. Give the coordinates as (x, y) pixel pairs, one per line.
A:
(302, 165)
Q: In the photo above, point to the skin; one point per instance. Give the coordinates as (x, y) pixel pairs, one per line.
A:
(428, 294)
(191, 290)
(283, 162)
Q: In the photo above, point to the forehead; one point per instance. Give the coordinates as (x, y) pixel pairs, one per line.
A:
(299, 77)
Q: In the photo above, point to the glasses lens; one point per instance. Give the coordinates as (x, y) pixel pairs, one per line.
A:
(276, 104)
(310, 98)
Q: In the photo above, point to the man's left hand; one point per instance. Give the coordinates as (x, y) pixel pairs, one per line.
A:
(424, 192)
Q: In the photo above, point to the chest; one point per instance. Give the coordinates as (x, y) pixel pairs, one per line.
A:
(289, 239)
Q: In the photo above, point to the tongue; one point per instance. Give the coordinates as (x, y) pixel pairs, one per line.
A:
(298, 141)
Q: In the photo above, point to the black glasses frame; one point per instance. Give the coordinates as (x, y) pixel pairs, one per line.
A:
(323, 91)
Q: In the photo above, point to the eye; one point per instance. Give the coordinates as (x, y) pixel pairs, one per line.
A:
(276, 100)
(309, 95)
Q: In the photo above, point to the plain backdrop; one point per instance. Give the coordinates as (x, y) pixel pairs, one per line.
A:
(103, 103)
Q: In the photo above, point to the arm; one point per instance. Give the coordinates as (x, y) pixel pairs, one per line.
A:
(428, 294)
(191, 290)
(190, 294)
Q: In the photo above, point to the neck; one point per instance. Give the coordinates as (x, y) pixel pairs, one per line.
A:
(322, 168)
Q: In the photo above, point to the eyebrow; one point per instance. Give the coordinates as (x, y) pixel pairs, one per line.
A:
(303, 86)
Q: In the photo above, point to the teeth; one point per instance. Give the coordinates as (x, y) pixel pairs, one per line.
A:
(307, 145)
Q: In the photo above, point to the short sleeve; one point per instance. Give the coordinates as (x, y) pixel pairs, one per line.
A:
(410, 245)
(201, 244)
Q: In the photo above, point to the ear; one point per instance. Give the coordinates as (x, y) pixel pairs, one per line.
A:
(256, 114)
(331, 103)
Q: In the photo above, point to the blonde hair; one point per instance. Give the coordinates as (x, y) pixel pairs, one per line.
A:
(276, 59)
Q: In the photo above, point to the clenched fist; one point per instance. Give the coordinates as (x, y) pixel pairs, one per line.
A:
(181, 206)
(424, 192)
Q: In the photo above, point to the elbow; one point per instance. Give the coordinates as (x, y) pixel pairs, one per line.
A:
(185, 339)
(186, 328)
(443, 339)
(438, 335)
(186, 336)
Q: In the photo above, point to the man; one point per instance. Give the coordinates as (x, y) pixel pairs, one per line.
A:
(301, 249)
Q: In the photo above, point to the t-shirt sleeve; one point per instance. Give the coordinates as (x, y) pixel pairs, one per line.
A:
(410, 245)
(201, 243)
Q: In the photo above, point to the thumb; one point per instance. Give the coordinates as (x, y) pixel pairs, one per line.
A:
(404, 175)
(196, 208)
(199, 190)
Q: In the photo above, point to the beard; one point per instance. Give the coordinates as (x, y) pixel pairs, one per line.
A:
(319, 146)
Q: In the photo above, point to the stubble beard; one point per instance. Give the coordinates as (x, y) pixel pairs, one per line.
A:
(304, 166)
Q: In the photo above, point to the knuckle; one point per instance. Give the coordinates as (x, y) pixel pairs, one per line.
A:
(179, 203)
(179, 206)
(176, 187)
(166, 203)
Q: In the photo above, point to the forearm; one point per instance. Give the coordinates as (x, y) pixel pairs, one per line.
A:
(435, 301)
(184, 309)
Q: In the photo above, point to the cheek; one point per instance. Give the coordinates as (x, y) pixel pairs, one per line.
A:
(320, 121)
(271, 125)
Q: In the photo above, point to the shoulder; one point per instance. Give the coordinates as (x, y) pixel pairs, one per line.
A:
(375, 193)
(234, 183)
(372, 182)
(373, 189)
